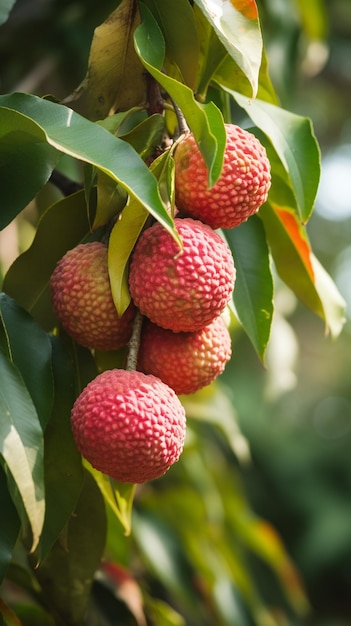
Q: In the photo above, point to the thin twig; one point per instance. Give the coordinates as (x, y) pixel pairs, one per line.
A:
(134, 342)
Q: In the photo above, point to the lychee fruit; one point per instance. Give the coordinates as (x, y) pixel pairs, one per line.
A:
(82, 299)
(185, 361)
(241, 188)
(129, 425)
(182, 290)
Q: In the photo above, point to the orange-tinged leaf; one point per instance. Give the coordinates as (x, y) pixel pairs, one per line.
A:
(299, 269)
(266, 542)
(298, 236)
(247, 7)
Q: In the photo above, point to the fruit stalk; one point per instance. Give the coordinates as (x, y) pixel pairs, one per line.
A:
(134, 342)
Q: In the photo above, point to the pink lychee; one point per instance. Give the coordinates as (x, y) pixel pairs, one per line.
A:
(181, 290)
(241, 188)
(82, 299)
(129, 425)
(185, 361)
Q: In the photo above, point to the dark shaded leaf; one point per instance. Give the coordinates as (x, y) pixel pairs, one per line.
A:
(66, 575)
(24, 152)
(63, 466)
(253, 291)
(29, 348)
(10, 526)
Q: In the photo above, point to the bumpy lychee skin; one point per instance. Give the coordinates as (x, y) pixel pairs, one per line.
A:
(185, 361)
(181, 290)
(239, 192)
(82, 299)
(129, 425)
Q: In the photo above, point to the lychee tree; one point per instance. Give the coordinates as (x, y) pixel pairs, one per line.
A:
(176, 130)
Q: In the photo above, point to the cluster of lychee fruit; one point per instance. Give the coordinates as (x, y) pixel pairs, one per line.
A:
(130, 424)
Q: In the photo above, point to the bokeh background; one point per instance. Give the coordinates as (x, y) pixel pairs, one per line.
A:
(296, 412)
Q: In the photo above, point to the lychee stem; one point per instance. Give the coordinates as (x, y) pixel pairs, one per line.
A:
(183, 127)
(134, 342)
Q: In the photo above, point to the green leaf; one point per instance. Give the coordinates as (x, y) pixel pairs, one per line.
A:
(146, 135)
(205, 121)
(21, 444)
(213, 406)
(212, 53)
(66, 575)
(115, 80)
(237, 26)
(229, 75)
(73, 134)
(29, 348)
(63, 465)
(122, 240)
(333, 303)
(314, 18)
(111, 198)
(10, 526)
(63, 225)
(26, 162)
(126, 231)
(253, 291)
(294, 141)
(5, 8)
(297, 267)
(176, 20)
(118, 496)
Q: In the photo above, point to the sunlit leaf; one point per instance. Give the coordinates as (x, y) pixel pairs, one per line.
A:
(125, 233)
(228, 74)
(212, 53)
(176, 20)
(237, 26)
(21, 444)
(74, 135)
(253, 291)
(205, 121)
(115, 80)
(118, 496)
(294, 141)
(121, 243)
(62, 227)
(334, 305)
(297, 267)
(314, 18)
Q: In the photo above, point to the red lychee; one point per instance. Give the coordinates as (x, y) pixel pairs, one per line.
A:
(181, 290)
(129, 425)
(82, 299)
(241, 188)
(185, 361)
